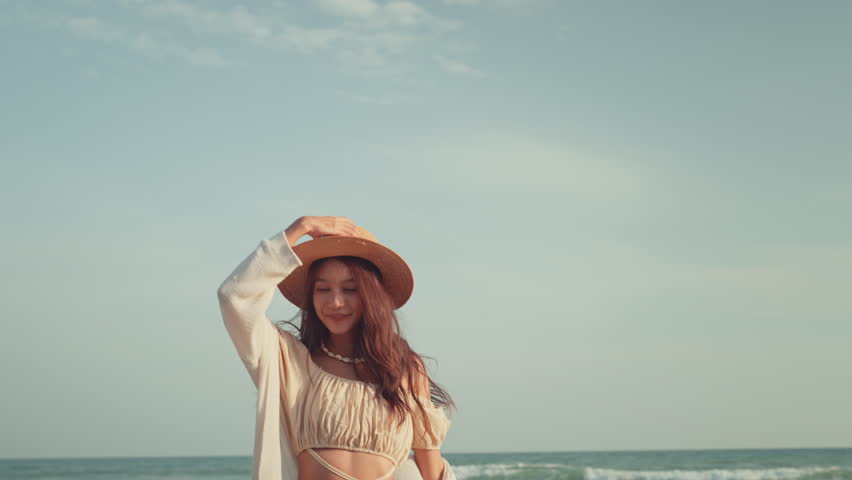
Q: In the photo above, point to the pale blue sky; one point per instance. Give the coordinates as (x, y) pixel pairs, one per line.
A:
(627, 220)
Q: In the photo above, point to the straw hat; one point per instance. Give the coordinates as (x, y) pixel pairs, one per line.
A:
(396, 275)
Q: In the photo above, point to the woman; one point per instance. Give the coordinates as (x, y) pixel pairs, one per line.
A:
(349, 398)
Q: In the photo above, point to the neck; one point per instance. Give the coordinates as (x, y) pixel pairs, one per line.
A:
(341, 344)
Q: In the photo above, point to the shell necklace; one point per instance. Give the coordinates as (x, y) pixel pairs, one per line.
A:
(340, 357)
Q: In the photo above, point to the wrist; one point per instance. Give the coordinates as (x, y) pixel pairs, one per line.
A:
(297, 230)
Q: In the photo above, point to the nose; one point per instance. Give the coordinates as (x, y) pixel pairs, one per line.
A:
(337, 299)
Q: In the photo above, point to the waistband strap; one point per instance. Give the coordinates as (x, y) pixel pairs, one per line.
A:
(339, 472)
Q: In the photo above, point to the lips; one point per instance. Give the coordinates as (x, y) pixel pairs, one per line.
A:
(338, 317)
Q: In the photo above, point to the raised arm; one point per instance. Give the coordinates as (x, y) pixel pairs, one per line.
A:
(246, 294)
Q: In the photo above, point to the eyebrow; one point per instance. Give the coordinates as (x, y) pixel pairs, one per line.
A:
(345, 280)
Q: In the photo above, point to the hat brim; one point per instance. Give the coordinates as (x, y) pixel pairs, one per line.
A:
(396, 274)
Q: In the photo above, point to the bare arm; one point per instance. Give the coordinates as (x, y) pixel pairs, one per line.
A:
(428, 460)
(430, 463)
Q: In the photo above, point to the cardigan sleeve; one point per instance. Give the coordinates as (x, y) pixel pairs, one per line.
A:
(245, 295)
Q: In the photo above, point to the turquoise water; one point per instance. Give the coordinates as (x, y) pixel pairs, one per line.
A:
(805, 464)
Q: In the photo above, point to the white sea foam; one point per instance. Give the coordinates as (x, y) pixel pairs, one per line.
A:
(735, 474)
(517, 470)
(500, 469)
(486, 470)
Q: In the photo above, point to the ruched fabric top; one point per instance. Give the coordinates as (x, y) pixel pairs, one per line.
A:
(324, 410)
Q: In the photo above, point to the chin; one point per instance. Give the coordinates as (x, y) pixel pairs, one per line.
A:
(339, 329)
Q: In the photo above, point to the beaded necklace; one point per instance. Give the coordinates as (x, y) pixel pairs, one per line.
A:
(340, 357)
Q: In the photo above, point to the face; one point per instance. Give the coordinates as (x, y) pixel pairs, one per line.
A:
(336, 297)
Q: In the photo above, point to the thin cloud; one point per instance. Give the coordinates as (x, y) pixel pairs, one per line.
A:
(366, 99)
(396, 12)
(93, 29)
(146, 42)
(371, 39)
(349, 8)
(255, 26)
(306, 40)
(205, 56)
(370, 62)
(384, 100)
(453, 66)
(202, 56)
(405, 13)
(499, 3)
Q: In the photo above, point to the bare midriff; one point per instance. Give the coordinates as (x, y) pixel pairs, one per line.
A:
(361, 465)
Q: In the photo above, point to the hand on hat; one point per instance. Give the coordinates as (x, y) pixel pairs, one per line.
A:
(324, 226)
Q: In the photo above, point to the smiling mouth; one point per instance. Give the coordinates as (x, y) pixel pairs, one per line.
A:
(338, 317)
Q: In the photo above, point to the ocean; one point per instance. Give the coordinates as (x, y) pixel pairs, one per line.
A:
(799, 464)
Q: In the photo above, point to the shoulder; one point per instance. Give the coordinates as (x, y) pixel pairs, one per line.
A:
(291, 340)
(287, 335)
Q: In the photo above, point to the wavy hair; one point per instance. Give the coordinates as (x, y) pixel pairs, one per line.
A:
(388, 357)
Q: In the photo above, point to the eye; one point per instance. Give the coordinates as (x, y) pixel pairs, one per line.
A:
(322, 289)
(350, 290)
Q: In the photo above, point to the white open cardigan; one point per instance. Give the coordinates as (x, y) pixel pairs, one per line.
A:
(244, 298)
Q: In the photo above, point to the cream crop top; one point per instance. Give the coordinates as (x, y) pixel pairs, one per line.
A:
(328, 411)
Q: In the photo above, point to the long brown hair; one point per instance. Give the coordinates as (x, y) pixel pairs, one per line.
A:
(388, 358)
